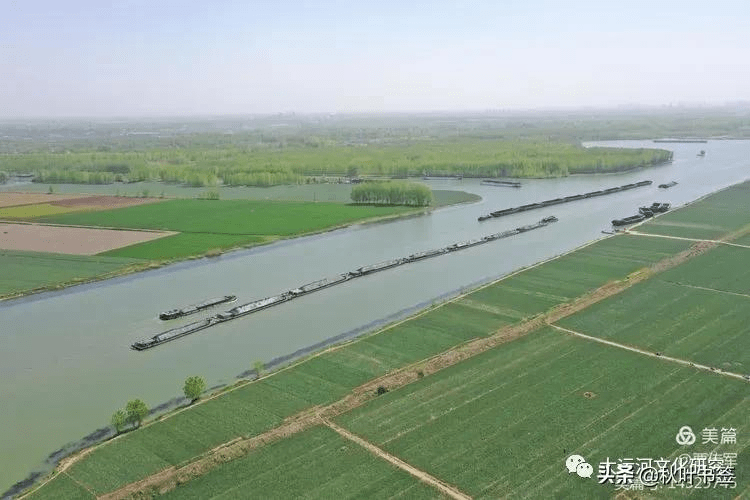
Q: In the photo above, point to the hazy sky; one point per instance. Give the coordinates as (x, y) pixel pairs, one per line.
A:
(152, 57)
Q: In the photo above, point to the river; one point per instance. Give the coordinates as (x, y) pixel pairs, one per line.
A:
(65, 364)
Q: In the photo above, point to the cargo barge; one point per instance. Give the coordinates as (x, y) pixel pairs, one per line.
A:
(557, 201)
(185, 311)
(495, 182)
(259, 305)
(174, 333)
(629, 220)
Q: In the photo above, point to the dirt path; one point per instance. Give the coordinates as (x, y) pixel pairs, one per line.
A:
(686, 285)
(419, 474)
(652, 354)
(720, 241)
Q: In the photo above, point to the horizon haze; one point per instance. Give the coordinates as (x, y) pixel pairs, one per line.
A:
(86, 59)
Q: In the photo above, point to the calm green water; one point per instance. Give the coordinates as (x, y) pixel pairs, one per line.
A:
(65, 364)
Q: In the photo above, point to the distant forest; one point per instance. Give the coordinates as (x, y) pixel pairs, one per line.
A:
(288, 149)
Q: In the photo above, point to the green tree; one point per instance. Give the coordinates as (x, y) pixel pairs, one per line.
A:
(119, 419)
(194, 387)
(259, 367)
(136, 411)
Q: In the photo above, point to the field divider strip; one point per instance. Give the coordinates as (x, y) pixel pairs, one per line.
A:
(652, 354)
(721, 242)
(423, 476)
(687, 285)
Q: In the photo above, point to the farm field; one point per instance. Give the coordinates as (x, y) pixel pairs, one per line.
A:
(329, 376)
(710, 218)
(33, 211)
(30, 270)
(229, 216)
(316, 463)
(702, 326)
(501, 424)
(205, 226)
(723, 268)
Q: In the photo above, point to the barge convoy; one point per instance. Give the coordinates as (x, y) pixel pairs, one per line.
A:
(557, 201)
(178, 313)
(258, 305)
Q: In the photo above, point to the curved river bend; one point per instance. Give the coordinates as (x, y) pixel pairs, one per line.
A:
(65, 361)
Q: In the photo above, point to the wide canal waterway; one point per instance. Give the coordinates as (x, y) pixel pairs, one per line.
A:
(65, 361)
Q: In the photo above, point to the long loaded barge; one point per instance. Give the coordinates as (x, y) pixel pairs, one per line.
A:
(178, 313)
(496, 182)
(557, 201)
(315, 286)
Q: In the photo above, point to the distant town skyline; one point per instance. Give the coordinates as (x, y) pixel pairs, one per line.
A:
(166, 58)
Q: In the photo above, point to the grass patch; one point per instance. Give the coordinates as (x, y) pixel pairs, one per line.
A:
(445, 197)
(246, 217)
(184, 245)
(501, 424)
(22, 271)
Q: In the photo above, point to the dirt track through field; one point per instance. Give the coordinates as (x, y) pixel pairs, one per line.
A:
(170, 477)
(683, 362)
(419, 474)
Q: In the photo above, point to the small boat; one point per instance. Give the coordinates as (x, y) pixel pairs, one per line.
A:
(667, 185)
(702, 153)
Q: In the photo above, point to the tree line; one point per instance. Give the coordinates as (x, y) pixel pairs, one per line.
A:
(392, 193)
(226, 164)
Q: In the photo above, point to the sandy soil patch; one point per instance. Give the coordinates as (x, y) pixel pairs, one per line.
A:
(103, 202)
(70, 240)
(15, 199)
